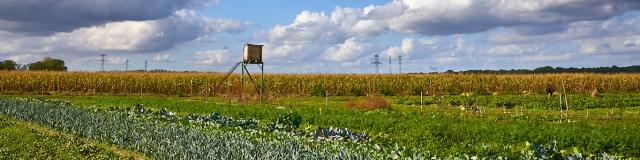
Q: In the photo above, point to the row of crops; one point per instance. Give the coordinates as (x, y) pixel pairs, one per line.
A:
(198, 84)
(161, 134)
(23, 140)
(576, 102)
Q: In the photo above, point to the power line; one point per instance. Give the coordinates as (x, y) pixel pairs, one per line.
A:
(102, 60)
(126, 65)
(145, 65)
(390, 67)
(376, 61)
(399, 64)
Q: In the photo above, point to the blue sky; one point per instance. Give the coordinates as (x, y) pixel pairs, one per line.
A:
(331, 36)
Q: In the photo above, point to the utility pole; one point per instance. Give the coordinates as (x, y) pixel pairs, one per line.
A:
(376, 61)
(399, 64)
(102, 60)
(126, 65)
(390, 67)
(145, 65)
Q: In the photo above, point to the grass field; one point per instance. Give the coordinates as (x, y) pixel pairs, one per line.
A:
(488, 116)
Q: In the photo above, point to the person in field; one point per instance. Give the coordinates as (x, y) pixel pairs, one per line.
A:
(549, 90)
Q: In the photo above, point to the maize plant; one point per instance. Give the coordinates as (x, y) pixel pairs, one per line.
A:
(199, 84)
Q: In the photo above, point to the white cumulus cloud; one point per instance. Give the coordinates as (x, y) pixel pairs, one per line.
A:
(164, 58)
(212, 57)
(350, 50)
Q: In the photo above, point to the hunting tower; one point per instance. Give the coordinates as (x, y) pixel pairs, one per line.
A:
(252, 54)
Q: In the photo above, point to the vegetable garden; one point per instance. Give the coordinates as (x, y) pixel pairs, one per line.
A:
(178, 115)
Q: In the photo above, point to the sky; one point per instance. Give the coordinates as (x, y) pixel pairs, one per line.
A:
(328, 36)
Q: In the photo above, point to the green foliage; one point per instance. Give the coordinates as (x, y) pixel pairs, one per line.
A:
(386, 91)
(318, 91)
(505, 102)
(440, 132)
(451, 90)
(356, 91)
(455, 101)
(292, 119)
(289, 121)
(416, 90)
(20, 140)
(181, 94)
(576, 102)
(169, 140)
(48, 64)
(8, 65)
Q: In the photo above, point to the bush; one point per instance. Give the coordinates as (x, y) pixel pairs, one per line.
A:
(507, 103)
(356, 92)
(289, 121)
(416, 90)
(318, 91)
(454, 101)
(386, 91)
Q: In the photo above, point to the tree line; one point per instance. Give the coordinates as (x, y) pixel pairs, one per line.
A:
(46, 64)
(549, 69)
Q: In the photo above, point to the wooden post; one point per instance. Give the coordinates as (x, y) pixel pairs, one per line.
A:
(229, 91)
(261, 81)
(504, 109)
(566, 102)
(228, 85)
(421, 100)
(326, 99)
(241, 80)
(587, 113)
(206, 94)
(430, 88)
(560, 106)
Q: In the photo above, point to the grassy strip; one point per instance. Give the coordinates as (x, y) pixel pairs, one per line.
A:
(23, 140)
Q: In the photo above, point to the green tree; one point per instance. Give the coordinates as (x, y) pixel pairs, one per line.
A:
(48, 64)
(8, 65)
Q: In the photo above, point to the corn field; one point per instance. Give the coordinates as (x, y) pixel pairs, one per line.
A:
(200, 84)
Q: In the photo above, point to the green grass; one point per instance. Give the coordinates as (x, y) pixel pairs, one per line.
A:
(23, 140)
(444, 130)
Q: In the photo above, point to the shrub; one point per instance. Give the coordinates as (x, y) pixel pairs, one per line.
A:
(386, 91)
(289, 121)
(416, 90)
(357, 92)
(318, 91)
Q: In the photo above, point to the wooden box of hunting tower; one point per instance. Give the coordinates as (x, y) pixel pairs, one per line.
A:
(252, 54)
